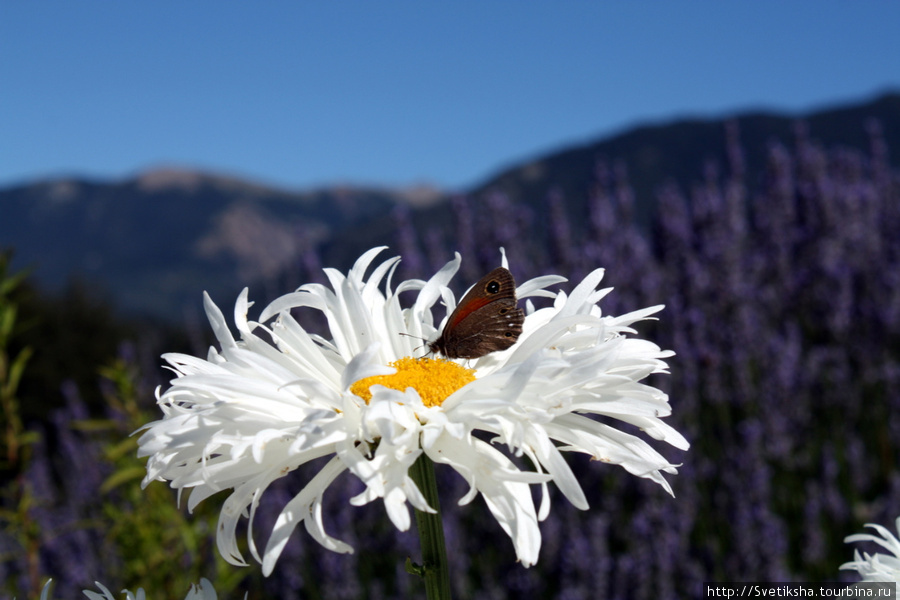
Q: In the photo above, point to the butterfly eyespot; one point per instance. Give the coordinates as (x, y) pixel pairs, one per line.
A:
(492, 287)
(508, 334)
(503, 311)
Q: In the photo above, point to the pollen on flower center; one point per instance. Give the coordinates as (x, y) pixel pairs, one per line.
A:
(434, 378)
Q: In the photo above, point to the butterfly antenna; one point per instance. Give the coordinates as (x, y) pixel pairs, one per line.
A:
(418, 338)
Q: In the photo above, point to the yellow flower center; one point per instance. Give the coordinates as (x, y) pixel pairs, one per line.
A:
(434, 378)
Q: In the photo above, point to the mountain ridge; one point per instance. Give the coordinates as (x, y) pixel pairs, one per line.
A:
(155, 240)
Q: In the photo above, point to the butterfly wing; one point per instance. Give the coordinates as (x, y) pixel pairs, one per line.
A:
(496, 326)
(486, 319)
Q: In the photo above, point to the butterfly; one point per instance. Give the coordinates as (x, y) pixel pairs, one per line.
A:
(485, 320)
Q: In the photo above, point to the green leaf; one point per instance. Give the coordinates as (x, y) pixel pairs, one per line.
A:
(122, 477)
(17, 368)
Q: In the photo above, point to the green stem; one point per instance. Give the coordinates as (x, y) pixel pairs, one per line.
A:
(434, 569)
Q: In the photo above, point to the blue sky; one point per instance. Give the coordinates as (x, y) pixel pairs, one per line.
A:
(300, 94)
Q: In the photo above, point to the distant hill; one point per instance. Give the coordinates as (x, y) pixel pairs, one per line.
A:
(678, 150)
(675, 152)
(154, 242)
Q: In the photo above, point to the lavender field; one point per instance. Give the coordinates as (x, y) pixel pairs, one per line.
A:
(782, 294)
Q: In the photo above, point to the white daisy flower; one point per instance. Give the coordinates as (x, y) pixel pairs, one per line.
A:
(203, 591)
(105, 594)
(278, 397)
(877, 567)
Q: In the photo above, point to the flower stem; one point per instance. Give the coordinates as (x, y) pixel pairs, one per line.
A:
(434, 569)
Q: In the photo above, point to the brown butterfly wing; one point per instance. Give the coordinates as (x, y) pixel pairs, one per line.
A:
(486, 319)
(494, 327)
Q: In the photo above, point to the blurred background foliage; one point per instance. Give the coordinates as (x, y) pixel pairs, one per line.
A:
(782, 293)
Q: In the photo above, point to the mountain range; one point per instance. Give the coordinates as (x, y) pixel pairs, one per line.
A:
(153, 242)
